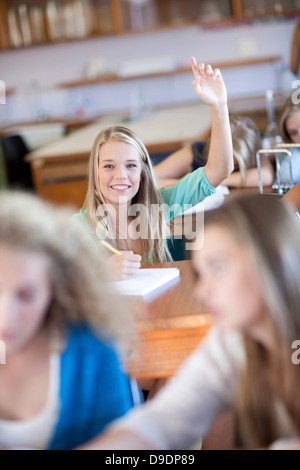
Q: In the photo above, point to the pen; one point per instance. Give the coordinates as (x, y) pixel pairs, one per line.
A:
(110, 248)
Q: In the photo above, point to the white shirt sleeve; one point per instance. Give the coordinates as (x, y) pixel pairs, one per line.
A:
(183, 411)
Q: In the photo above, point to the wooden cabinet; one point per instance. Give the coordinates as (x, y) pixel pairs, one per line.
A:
(23, 24)
(254, 8)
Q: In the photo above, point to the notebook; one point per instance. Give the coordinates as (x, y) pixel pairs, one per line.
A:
(147, 280)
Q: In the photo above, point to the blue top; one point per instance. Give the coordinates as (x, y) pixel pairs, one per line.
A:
(94, 389)
(199, 158)
(190, 190)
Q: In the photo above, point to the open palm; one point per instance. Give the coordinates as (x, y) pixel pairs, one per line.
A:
(208, 84)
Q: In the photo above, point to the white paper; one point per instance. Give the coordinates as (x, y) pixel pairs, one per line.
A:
(147, 280)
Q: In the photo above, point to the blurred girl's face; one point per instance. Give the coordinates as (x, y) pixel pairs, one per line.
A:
(225, 285)
(25, 296)
(292, 125)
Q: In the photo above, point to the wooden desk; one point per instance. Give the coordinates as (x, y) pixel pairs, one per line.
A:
(170, 327)
(60, 169)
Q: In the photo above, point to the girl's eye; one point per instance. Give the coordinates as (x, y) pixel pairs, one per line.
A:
(25, 295)
(131, 165)
(108, 166)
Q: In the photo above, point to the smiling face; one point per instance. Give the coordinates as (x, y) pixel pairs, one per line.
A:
(225, 285)
(119, 172)
(293, 127)
(25, 296)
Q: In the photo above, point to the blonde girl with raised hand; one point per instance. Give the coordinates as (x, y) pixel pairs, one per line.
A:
(64, 331)
(121, 175)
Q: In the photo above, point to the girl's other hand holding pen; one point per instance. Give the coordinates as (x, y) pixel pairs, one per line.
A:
(124, 266)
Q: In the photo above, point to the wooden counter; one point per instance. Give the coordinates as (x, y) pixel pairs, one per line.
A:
(170, 326)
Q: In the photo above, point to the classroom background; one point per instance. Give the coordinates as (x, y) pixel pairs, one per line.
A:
(64, 63)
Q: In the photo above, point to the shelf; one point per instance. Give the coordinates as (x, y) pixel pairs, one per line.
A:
(37, 23)
(177, 71)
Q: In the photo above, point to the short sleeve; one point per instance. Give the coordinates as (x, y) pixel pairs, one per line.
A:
(188, 192)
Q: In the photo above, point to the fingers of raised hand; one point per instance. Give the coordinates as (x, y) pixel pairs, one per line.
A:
(203, 70)
(208, 69)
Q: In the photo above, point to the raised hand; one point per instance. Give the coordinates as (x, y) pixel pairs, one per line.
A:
(208, 84)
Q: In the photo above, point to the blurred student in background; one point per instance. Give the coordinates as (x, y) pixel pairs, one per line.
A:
(248, 276)
(63, 329)
(246, 140)
(289, 127)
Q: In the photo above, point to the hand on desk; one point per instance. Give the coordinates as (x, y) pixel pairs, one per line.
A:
(124, 265)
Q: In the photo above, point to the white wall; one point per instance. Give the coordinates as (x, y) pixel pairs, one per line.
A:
(35, 72)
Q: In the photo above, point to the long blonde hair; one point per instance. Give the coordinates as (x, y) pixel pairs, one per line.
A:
(154, 247)
(81, 293)
(268, 229)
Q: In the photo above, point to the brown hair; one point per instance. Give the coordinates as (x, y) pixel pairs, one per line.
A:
(268, 229)
(81, 292)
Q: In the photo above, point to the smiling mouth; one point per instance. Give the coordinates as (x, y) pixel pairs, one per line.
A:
(120, 187)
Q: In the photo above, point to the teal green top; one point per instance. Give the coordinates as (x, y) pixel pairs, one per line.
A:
(189, 191)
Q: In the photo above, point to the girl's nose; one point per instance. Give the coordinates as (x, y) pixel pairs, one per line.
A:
(121, 173)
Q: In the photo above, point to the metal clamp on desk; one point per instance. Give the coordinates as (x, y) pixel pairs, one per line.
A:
(279, 186)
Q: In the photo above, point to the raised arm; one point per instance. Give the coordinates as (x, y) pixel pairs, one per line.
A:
(210, 88)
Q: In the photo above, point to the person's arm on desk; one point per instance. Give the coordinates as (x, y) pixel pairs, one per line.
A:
(175, 166)
(235, 180)
(251, 178)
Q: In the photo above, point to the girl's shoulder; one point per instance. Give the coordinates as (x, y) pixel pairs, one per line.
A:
(81, 339)
(81, 214)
